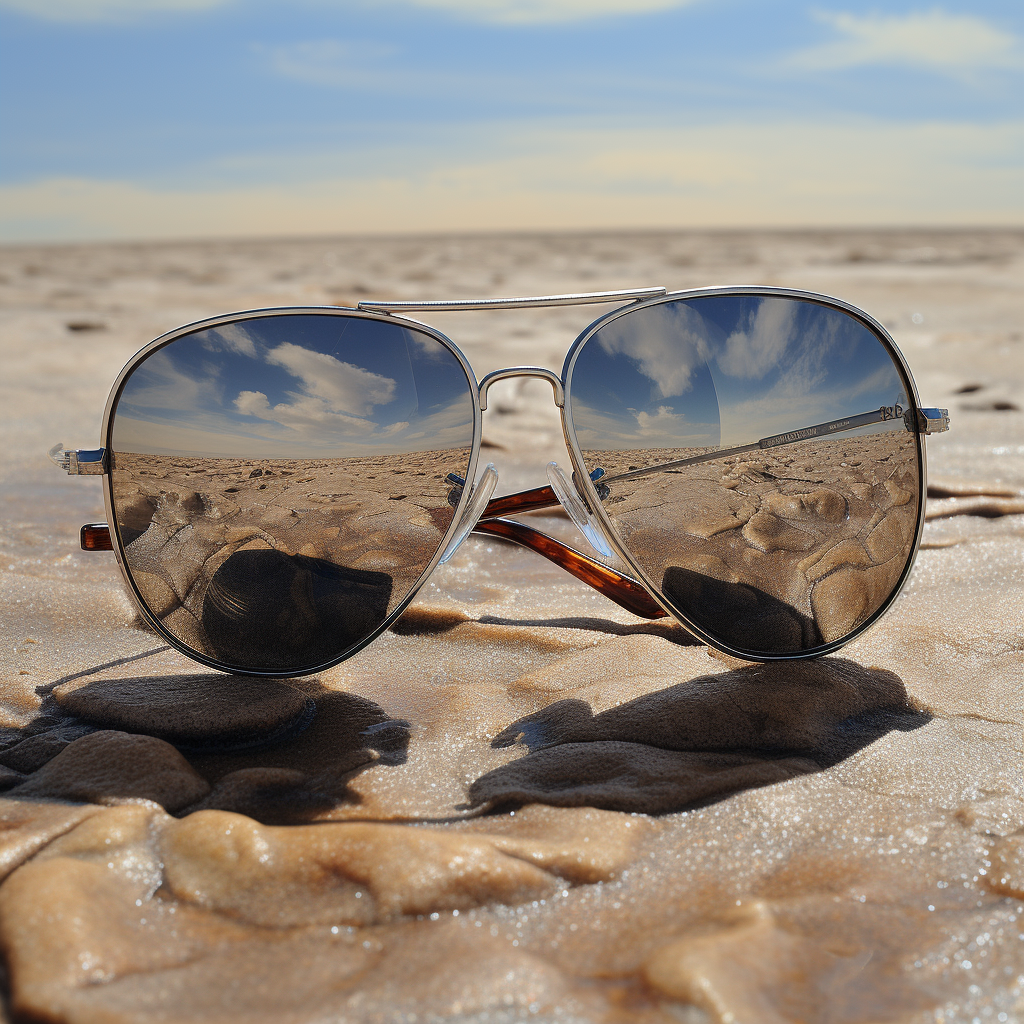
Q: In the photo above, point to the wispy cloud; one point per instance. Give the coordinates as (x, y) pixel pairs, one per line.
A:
(949, 43)
(332, 395)
(500, 12)
(652, 337)
(335, 62)
(541, 12)
(342, 387)
(759, 348)
(105, 10)
(234, 338)
(738, 173)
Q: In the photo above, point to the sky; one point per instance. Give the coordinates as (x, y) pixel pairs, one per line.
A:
(726, 370)
(719, 370)
(296, 387)
(209, 118)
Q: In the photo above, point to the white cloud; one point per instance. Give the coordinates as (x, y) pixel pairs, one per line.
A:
(655, 338)
(335, 397)
(234, 337)
(661, 423)
(539, 12)
(308, 415)
(159, 384)
(881, 379)
(758, 350)
(105, 10)
(952, 43)
(342, 387)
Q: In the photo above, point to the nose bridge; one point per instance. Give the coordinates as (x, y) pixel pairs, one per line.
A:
(523, 371)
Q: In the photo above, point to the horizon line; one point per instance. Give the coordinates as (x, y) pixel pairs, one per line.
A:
(951, 227)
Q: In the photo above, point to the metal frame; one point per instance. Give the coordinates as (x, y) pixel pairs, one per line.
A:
(523, 371)
(925, 421)
(522, 302)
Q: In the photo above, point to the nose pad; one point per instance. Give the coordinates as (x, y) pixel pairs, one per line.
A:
(479, 496)
(578, 512)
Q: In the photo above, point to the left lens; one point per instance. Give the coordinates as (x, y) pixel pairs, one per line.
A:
(280, 482)
(758, 465)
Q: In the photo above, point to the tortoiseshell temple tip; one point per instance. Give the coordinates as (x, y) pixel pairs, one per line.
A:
(525, 501)
(623, 590)
(96, 537)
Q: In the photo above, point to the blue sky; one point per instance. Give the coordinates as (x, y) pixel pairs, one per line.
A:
(162, 118)
(308, 387)
(725, 370)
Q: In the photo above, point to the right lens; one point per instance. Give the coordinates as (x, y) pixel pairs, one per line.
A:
(280, 482)
(756, 463)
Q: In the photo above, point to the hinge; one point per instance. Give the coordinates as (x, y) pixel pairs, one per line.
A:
(929, 421)
(79, 461)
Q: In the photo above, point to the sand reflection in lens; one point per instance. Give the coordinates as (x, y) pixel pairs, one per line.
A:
(781, 547)
(279, 483)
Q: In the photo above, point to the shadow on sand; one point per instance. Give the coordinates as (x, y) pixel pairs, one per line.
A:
(700, 740)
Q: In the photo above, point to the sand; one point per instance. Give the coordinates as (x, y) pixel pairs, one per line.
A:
(522, 802)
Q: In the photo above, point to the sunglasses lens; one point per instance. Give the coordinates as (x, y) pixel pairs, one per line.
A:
(757, 465)
(280, 483)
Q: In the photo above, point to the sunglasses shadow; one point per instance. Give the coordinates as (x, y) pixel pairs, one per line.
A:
(278, 752)
(700, 741)
(686, 746)
(417, 621)
(666, 629)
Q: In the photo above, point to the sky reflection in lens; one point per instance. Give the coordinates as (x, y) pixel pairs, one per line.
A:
(301, 385)
(721, 371)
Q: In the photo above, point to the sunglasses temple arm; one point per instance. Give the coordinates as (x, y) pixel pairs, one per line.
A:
(922, 421)
(619, 588)
(96, 537)
(524, 501)
(623, 590)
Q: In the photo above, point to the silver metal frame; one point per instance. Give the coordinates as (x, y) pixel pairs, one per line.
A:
(926, 420)
(593, 499)
(523, 371)
(522, 302)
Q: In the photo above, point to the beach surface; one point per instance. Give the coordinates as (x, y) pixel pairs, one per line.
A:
(521, 802)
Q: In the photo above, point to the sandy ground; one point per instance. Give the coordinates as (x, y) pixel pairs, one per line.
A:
(522, 802)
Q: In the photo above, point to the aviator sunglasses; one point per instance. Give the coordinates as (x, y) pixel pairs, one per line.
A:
(280, 483)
